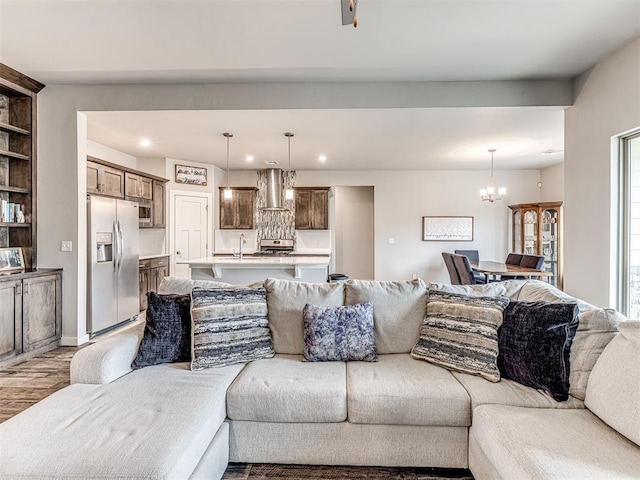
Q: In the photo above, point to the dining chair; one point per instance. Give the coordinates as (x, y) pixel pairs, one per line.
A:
(465, 272)
(532, 261)
(512, 259)
(473, 256)
(451, 268)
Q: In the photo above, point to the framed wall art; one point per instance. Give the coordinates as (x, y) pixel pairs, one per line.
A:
(11, 259)
(191, 175)
(447, 229)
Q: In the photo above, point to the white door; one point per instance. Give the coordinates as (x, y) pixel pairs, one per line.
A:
(190, 230)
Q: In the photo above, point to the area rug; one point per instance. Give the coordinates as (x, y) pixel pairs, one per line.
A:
(243, 471)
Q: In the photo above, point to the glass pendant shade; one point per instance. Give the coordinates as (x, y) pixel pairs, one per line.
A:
(288, 193)
(228, 193)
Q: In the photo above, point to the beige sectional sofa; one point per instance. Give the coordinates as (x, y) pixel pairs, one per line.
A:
(166, 421)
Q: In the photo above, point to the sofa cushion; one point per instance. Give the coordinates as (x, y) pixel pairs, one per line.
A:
(185, 285)
(539, 291)
(460, 333)
(613, 391)
(339, 333)
(167, 330)
(155, 422)
(399, 390)
(398, 310)
(229, 326)
(596, 328)
(535, 341)
(540, 443)
(508, 392)
(286, 389)
(286, 299)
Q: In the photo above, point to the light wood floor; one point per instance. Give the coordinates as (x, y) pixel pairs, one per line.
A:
(29, 382)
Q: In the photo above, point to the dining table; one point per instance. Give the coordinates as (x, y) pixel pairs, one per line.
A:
(491, 268)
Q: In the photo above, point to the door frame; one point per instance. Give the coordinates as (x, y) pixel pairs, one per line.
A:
(172, 205)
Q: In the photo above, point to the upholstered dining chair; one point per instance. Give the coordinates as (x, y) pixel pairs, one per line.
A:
(465, 272)
(473, 256)
(532, 261)
(451, 268)
(512, 259)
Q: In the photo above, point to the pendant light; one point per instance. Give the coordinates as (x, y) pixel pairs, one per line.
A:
(288, 193)
(228, 193)
(488, 194)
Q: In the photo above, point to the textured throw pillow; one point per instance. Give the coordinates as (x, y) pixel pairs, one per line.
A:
(535, 343)
(460, 333)
(339, 334)
(229, 326)
(167, 331)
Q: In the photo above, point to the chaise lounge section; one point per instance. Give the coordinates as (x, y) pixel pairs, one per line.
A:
(167, 421)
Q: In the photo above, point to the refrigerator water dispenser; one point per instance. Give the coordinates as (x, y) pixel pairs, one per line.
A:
(104, 247)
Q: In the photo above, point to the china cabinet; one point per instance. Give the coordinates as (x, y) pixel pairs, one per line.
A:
(537, 230)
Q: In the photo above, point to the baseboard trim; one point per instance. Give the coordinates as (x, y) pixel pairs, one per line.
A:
(74, 341)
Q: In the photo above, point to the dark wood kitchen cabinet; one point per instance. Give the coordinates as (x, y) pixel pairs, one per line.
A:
(152, 271)
(239, 211)
(157, 209)
(104, 180)
(138, 186)
(312, 208)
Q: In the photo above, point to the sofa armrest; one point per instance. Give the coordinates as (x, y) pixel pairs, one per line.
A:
(106, 360)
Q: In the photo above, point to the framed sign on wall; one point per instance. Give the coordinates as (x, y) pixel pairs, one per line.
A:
(447, 229)
(191, 175)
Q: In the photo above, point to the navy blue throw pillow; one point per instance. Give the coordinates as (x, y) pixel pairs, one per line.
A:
(535, 342)
(167, 332)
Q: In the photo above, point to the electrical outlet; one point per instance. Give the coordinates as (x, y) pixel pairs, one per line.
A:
(66, 246)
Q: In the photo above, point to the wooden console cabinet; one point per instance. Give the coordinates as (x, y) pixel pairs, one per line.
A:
(30, 314)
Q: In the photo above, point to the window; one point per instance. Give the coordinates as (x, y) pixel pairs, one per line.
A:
(629, 256)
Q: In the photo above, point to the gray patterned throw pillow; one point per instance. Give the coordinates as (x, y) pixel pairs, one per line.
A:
(229, 326)
(339, 334)
(460, 333)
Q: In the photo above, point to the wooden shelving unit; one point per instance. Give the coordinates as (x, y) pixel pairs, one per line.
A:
(18, 140)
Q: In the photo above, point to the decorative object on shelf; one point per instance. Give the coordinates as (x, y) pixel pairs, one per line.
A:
(349, 12)
(228, 194)
(447, 229)
(488, 194)
(191, 175)
(11, 259)
(288, 193)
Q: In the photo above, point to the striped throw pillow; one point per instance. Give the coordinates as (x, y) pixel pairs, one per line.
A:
(229, 326)
(460, 333)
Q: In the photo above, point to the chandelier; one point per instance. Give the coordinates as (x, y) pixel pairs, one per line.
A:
(288, 193)
(228, 193)
(488, 194)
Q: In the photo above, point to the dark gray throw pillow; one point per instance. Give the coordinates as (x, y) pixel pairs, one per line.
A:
(167, 332)
(535, 342)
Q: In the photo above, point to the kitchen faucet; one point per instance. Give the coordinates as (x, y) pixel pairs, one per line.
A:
(242, 242)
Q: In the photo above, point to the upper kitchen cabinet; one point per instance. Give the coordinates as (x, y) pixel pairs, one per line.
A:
(18, 160)
(312, 208)
(138, 186)
(158, 208)
(104, 180)
(239, 211)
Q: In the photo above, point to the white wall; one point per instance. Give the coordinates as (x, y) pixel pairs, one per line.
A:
(95, 149)
(607, 104)
(62, 151)
(552, 179)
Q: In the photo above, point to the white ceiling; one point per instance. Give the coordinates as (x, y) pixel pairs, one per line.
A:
(165, 41)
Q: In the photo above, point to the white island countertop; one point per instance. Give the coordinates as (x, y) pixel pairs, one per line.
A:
(268, 265)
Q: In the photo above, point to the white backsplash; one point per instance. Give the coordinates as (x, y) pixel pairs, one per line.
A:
(228, 241)
(152, 241)
(313, 242)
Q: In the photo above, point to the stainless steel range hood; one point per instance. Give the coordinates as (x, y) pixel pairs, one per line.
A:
(274, 190)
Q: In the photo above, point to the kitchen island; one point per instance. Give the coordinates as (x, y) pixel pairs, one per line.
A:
(302, 268)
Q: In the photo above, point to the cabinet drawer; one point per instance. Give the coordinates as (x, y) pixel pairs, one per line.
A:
(159, 262)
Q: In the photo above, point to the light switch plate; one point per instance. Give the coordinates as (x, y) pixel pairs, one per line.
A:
(66, 246)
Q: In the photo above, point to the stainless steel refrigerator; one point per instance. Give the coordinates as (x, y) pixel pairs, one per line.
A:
(113, 295)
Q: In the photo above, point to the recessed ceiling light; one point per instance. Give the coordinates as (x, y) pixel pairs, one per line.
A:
(145, 142)
(552, 151)
(249, 158)
(322, 158)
